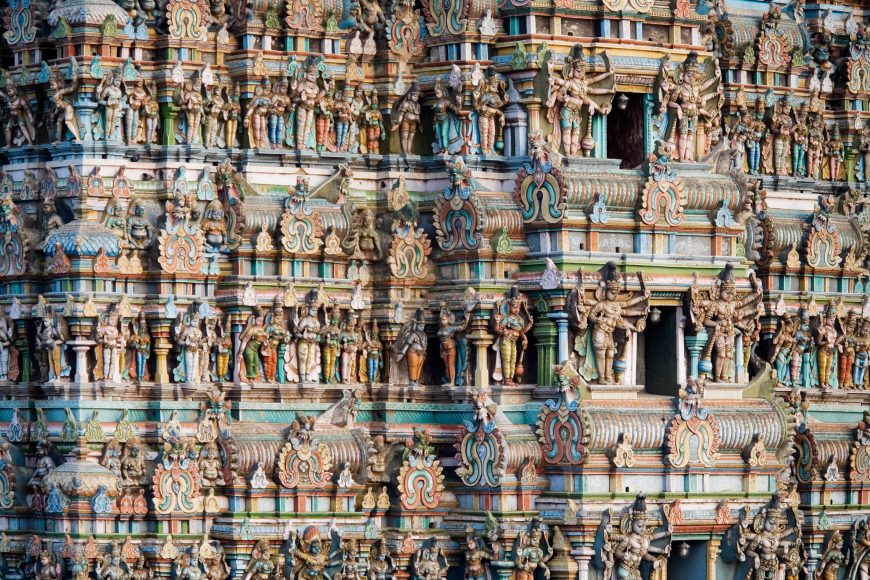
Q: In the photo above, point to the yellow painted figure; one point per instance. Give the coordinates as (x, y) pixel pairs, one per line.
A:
(512, 328)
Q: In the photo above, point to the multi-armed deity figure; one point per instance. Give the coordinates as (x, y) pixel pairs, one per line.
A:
(477, 553)
(612, 317)
(569, 95)
(626, 548)
(380, 563)
(50, 342)
(454, 346)
(530, 555)
(511, 322)
(687, 96)
(722, 314)
(766, 539)
(405, 117)
(832, 560)
(489, 98)
(64, 114)
(310, 558)
(411, 345)
(429, 561)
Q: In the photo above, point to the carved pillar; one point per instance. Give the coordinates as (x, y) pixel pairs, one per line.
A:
(503, 569)
(712, 556)
(160, 330)
(649, 112)
(169, 118)
(599, 134)
(561, 320)
(23, 348)
(583, 556)
(546, 335)
(694, 345)
(81, 348)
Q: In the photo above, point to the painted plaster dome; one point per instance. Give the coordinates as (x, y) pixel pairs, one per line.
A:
(83, 479)
(87, 13)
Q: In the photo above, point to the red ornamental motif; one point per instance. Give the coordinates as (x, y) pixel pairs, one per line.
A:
(773, 50)
(305, 466)
(694, 441)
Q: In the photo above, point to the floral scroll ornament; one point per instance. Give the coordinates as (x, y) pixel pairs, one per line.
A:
(824, 244)
(176, 483)
(303, 15)
(404, 34)
(642, 6)
(458, 216)
(445, 17)
(481, 447)
(181, 241)
(421, 478)
(18, 22)
(304, 461)
(694, 435)
(859, 458)
(301, 227)
(539, 189)
(561, 429)
(186, 19)
(774, 47)
(409, 252)
(858, 68)
(664, 195)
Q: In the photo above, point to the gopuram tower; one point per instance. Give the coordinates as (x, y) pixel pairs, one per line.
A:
(427, 289)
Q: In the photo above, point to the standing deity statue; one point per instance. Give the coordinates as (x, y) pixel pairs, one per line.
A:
(188, 340)
(374, 353)
(446, 107)
(8, 352)
(864, 150)
(529, 555)
(454, 346)
(405, 118)
(351, 342)
(141, 570)
(836, 152)
(782, 128)
(50, 343)
(783, 346)
(64, 114)
(373, 123)
(826, 342)
(279, 337)
(799, 142)
(766, 539)
(110, 98)
(137, 101)
(257, 116)
(342, 117)
(756, 134)
(251, 343)
(488, 98)
(230, 114)
(803, 360)
(610, 317)
(152, 115)
(190, 102)
(815, 146)
(411, 344)
(722, 315)
(19, 129)
(626, 548)
(111, 343)
(687, 96)
(278, 110)
(330, 337)
(357, 105)
(324, 118)
(307, 333)
(847, 347)
(213, 107)
(307, 92)
(573, 92)
(511, 322)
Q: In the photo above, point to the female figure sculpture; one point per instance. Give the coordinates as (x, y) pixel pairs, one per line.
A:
(405, 118)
